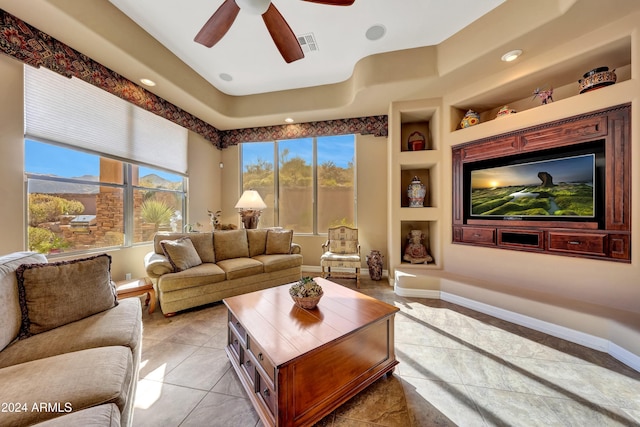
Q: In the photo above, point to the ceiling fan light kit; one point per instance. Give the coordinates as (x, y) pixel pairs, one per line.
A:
(254, 7)
(283, 37)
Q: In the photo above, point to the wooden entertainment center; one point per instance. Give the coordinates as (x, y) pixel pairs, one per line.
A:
(607, 236)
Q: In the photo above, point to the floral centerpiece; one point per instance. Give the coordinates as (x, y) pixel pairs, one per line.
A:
(306, 293)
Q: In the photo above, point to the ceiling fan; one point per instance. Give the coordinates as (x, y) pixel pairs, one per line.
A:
(286, 42)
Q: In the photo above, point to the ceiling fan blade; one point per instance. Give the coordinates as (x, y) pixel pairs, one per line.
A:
(218, 25)
(282, 35)
(333, 2)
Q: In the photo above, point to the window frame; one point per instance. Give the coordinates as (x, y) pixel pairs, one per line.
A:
(127, 186)
(315, 181)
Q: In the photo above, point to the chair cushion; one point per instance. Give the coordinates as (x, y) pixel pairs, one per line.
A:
(231, 244)
(279, 262)
(236, 268)
(54, 294)
(279, 242)
(120, 325)
(340, 260)
(102, 415)
(203, 274)
(181, 253)
(80, 379)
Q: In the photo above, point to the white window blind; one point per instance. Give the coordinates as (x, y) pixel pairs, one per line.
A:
(76, 113)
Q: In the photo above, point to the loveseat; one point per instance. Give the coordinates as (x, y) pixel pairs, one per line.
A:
(70, 351)
(193, 269)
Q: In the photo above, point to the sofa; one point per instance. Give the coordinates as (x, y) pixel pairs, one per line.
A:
(193, 269)
(70, 351)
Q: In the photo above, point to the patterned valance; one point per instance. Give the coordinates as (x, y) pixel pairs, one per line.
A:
(36, 48)
(374, 125)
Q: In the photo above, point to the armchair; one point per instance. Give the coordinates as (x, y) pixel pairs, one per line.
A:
(341, 250)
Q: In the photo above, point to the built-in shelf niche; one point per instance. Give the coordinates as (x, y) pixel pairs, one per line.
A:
(406, 177)
(562, 77)
(415, 131)
(429, 229)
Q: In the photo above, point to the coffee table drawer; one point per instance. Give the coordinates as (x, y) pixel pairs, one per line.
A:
(237, 326)
(249, 367)
(267, 394)
(261, 357)
(235, 344)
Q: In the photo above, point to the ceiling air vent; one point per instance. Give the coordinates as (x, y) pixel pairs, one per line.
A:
(308, 43)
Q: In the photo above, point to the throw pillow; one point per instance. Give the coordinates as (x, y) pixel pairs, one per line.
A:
(257, 241)
(279, 242)
(230, 244)
(181, 253)
(57, 293)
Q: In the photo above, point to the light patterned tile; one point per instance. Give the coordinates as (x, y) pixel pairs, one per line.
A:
(219, 410)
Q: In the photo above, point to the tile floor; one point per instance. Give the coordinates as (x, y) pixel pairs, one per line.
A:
(457, 367)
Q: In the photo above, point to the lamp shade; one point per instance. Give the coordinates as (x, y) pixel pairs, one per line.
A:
(250, 199)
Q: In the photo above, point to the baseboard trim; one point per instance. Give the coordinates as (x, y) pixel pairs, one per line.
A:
(318, 269)
(416, 293)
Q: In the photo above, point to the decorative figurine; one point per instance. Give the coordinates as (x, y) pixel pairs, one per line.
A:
(415, 252)
(416, 192)
(471, 118)
(416, 141)
(546, 96)
(375, 261)
(505, 111)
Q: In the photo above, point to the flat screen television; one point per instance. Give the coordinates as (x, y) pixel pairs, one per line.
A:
(565, 185)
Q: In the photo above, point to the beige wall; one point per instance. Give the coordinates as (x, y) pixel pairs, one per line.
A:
(204, 176)
(11, 156)
(601, 298)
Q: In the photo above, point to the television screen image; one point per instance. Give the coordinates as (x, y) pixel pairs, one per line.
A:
(556, 187)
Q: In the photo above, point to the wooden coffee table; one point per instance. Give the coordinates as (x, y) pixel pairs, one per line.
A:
(297, 365)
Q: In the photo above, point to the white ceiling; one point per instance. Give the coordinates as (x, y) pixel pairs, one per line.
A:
(249, 56)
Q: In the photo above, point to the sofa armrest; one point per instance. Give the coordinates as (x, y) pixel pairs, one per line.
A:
(156, 265)
(295, 248)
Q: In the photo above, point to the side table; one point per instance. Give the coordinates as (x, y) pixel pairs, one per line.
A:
(137, 287)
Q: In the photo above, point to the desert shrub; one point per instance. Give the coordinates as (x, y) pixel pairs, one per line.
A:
(156, 212)
(45, 241)
(48, 208)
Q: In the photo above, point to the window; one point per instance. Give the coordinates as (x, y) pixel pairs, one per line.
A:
(86, 161)
(82, 201)
(307, 183)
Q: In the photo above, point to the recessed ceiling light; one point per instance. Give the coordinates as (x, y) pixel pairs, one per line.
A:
(376, 32)
(288, 120)
(511, 55)
(226, 77)
(147, 82)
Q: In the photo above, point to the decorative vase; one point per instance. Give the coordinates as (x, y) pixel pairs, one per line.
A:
(416, 192)
(471, 118)
(374, 261)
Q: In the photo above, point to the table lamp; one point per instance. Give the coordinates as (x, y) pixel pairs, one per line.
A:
(250, 205)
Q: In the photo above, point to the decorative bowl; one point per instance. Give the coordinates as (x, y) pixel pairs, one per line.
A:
(597, 78)
(308, 303)
(306, 292)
